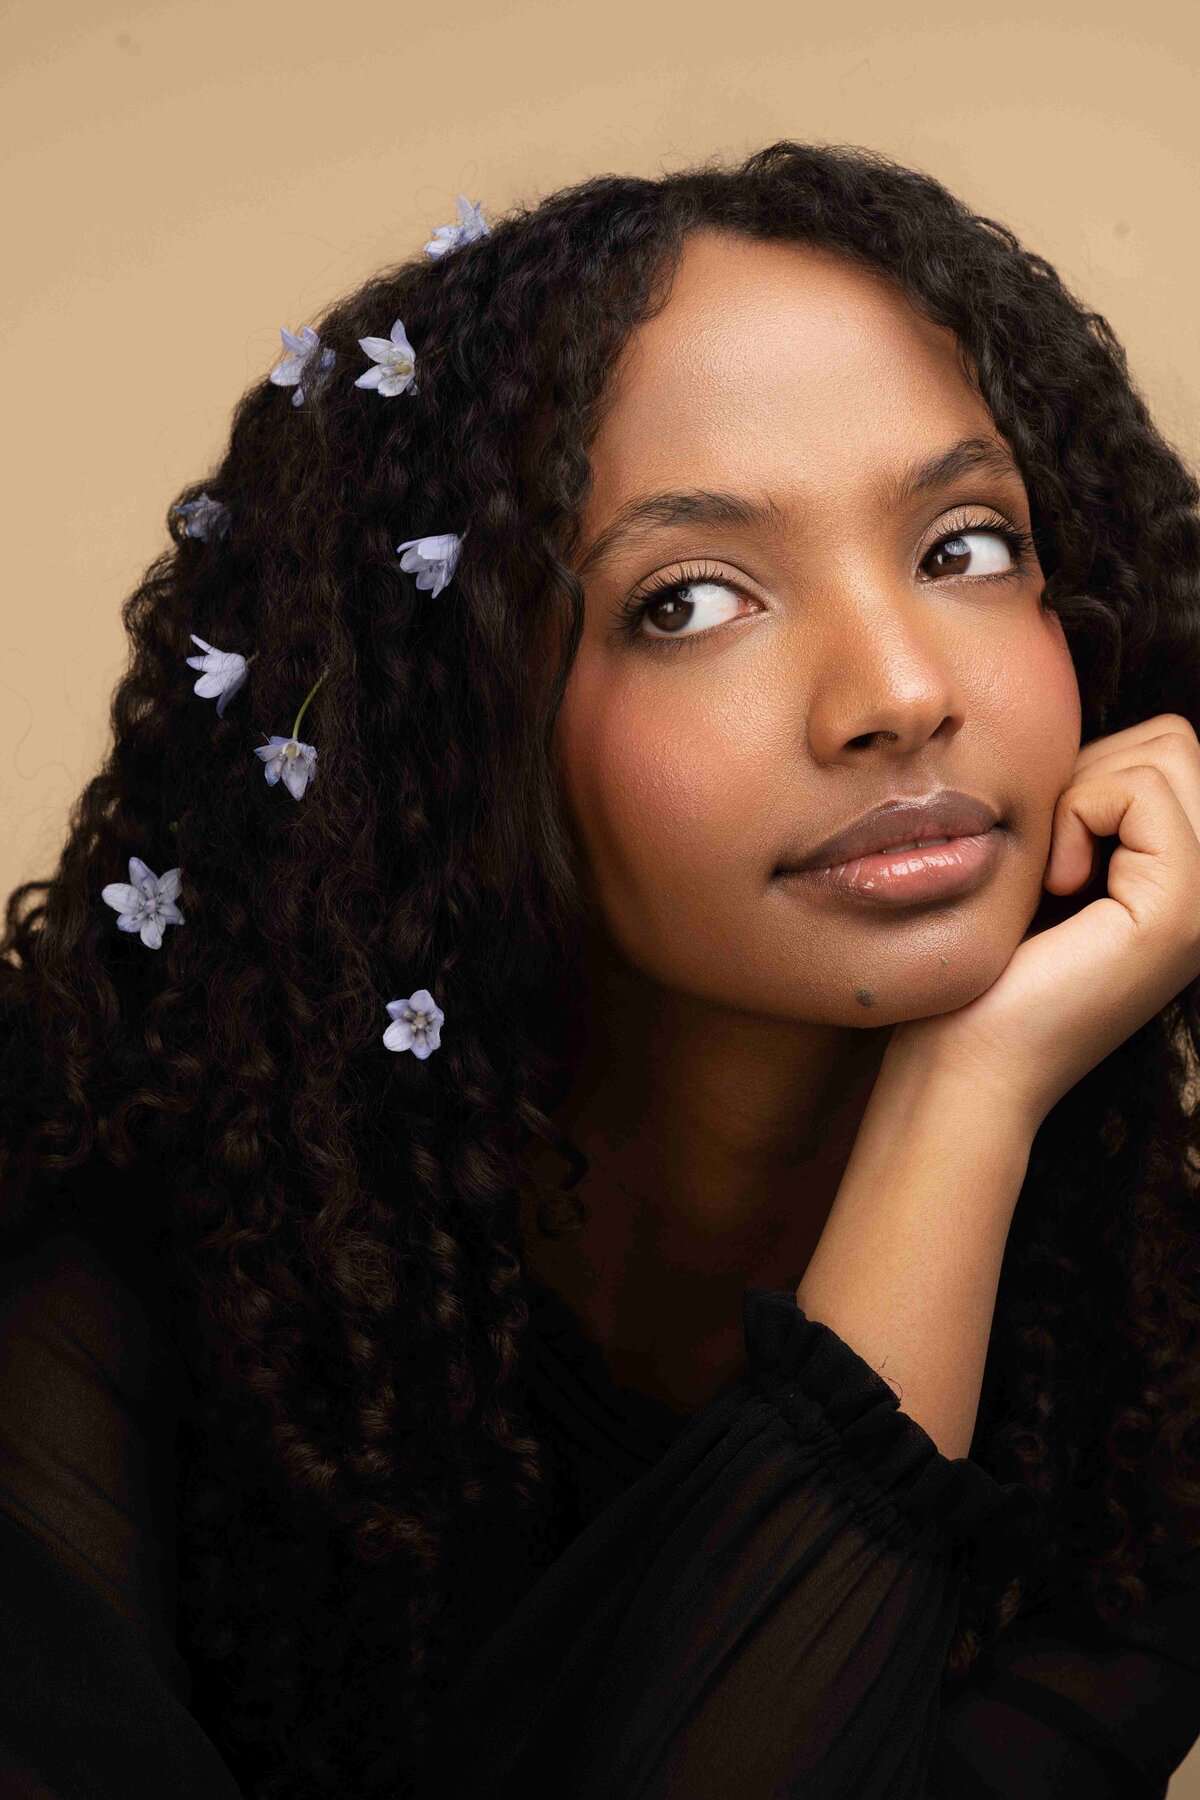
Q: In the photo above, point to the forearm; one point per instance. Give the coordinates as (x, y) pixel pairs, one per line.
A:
(907, 1267)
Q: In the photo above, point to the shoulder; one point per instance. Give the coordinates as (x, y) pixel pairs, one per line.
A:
(63, 1298)
(92, 1392)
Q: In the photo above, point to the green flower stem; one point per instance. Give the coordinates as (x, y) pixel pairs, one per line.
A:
(312, 690)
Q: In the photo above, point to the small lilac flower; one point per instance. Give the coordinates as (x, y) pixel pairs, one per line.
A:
(296, 762)
(469, 227)
(417, 1024)
(294, 367)
(146, 902)
(432, 559)
(395, 361)
(205, 517)
(224, 673)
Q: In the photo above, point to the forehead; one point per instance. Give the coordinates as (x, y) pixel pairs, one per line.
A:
(776, 363)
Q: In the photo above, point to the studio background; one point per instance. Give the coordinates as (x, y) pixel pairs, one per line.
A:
(180, 180)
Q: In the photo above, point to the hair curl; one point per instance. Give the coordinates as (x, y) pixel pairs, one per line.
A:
(346, 1221)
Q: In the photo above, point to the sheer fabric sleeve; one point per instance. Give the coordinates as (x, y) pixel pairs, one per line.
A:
(1065, 1704)
(93, 1691)
(767, 1612)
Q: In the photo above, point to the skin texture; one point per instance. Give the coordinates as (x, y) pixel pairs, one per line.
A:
(737, 1025)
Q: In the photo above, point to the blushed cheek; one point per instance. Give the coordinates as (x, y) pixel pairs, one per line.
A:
(1060, 710)
(653, 794)
(1042, 721)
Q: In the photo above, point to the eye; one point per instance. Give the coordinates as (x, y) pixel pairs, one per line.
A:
(957, 557)
(674, 604)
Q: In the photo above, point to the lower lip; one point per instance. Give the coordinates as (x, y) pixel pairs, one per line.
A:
(906, 877)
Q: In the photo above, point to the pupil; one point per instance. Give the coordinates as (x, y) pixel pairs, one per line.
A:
(673, 602)
(948, 552)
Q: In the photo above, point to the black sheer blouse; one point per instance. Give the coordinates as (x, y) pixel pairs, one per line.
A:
(756, 1598)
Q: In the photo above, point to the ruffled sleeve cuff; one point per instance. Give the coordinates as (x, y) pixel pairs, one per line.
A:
(835, 1399)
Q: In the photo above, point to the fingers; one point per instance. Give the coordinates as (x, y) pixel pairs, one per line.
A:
(1134, 736)
(1155, 870)
(1072, 853)
(1166, 742)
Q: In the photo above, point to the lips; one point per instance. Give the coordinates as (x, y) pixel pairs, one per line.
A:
(947, 814)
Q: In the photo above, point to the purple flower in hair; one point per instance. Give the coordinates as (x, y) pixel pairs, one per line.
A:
(287, 757)
(302, 347)
(146, 902)
(470, 226)
(416, 1024)
(224, 673)
(432, 559)
(395, 363)
(296, 763)
(205, 517)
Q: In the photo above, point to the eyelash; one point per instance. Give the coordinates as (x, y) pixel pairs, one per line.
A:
(1020, 545)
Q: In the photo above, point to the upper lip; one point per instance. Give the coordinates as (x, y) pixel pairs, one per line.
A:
(946, 814)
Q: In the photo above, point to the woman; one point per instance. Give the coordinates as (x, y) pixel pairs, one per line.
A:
(828, 1424)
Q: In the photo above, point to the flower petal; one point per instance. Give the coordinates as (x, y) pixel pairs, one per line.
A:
(399, 1036)
(152, 933)
(438, 548)
(232, 688)
(170, 884)
(119, 894)
(140, 871)
(372, 377)
(392, 384)
(295, 776)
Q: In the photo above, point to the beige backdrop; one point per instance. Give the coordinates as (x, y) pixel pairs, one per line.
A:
(182, 179)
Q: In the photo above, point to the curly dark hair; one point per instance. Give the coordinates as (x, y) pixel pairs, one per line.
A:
(345, 1221)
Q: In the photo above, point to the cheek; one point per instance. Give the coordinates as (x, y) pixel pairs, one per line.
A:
(1029, 695)
(1045, 720)
(659, 788)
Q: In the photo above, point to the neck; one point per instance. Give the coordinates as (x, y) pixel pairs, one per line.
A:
(717, 1143)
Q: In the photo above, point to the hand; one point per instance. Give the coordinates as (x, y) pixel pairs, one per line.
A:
(1072, 993)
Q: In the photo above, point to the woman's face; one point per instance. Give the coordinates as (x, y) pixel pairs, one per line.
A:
(822, 660)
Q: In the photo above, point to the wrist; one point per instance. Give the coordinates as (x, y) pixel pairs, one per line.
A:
(933, 1145)
(907, 1265)
(928, 1074)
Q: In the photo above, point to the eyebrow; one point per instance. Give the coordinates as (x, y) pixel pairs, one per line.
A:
(703, 506)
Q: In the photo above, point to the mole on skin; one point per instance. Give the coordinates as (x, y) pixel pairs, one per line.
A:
(864, 996)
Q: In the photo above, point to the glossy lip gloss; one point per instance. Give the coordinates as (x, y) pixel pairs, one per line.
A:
(901, 877)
